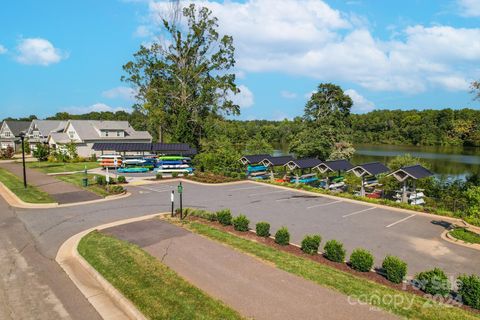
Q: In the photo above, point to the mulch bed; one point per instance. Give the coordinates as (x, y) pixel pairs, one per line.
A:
(210, 178)
(374, 276)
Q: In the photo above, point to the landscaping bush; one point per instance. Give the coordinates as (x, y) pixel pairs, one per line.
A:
(41, 152)
(395, 269)
(361, 260)
(282, 236)
(469, 290)
(185, 174)
(311, 243)
(174, 174)
(116, 189)
(334, 251)
(159, 176)
(224, 217)
(7, 153)
(263, 229)
(434, 282)
(101, 180)
(240, 223)
(121, 179)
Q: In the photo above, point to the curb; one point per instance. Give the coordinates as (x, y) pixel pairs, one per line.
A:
(106, 299)
(14, 201)
(447, 237)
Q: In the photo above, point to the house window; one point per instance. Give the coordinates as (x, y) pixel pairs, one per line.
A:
(7, 134)
(71, 134)
(119, 134)
(106, 133)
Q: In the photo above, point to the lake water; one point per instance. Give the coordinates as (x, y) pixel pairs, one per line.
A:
(455, 162)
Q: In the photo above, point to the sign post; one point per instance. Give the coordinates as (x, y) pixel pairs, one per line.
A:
(107, 178)
(172, 199)
(180, 191)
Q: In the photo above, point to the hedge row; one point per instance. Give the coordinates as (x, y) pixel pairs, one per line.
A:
(434, 282)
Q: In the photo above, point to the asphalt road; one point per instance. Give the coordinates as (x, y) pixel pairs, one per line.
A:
(36, 235)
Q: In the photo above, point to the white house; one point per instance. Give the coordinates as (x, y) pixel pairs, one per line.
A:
(10, 134)
(84, 133)
(39, 130)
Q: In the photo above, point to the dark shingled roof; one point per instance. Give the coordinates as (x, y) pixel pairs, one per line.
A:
(304, 163)
(277, 161)
(253, 158)
(18, 126)
(414, 172)
(372, 168)
(165, 148)
(335, 165)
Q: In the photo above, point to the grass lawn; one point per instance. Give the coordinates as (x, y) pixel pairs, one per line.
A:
(53, 167)
(76, 179)
(156, 290)
(404, 304)
(465, 235)
(30, 194)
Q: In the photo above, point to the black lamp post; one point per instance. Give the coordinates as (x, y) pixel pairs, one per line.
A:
(22, 137)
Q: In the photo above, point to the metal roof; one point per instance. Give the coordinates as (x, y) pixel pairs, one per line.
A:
(254, 158)
(334, 165)
(369, 169)
(276, 161)
(305, 163)
(165, 148)
(414, 172)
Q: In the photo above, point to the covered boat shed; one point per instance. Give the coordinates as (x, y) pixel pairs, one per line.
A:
(302, 164)
(253, 158)
(181, 149)
(414, 173)
(368, 169)
(334, 166)
(279, 161)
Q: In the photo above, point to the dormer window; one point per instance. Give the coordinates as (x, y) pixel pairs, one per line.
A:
(7, 134)
(71, 134)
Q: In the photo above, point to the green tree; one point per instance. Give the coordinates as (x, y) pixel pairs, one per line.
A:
(41, 152)
(258, 145)
(475, 86)
(27, 146)
(314, 142)
(329, 106)
(183, 82)
(472, 196)
(218, 155)
(342, 150)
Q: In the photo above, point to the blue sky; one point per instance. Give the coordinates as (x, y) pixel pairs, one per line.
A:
(68, 55)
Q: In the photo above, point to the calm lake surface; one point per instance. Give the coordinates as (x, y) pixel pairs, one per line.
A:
(453, 162)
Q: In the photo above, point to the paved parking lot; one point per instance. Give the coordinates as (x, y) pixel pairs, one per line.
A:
(415, 238)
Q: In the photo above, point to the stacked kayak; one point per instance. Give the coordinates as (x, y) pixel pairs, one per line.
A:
(108, 161)
(170, 164)
(257, 172)
(133, 170)
(306, 178)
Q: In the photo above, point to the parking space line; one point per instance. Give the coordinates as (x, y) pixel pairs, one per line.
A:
(246, 188)
(357, 212)
(265, 193)
(323, 204)
(155, 190)
(401, 220)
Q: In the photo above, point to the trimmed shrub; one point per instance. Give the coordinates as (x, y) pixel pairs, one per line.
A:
(469, 290)
(395, 269)
(185, 174)
(101, 180)
(311, 243)
(282, 236)
(159, 176)
(241, 223)
(174, 174)
(361, 260)
(224, 217)
(434, 282)
(334, 251)
(116, 189)
(121, 179)
(263, 229)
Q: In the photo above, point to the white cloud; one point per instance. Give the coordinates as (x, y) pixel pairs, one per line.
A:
(360, 103)
(97, 107)
(125, 93)
(245, 98)
(469, 8)
(310, 38)
(3, 49)
(38, 51)
(143, 31)
(288, 95)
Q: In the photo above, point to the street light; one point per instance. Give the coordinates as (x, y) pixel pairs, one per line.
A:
(22, 137)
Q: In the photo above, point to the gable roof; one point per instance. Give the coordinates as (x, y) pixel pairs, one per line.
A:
(90, 130)
(46, 126)
(305, 163)
(17, 126)
(369, 169)
(334, 165)
(414, 172)
(253, 159)
(276, 161)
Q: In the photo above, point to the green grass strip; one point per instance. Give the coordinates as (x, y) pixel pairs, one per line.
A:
(76, 179)
(400, 303)
(30, 194)
(465, 235)
(57, 167)
(156, 290)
